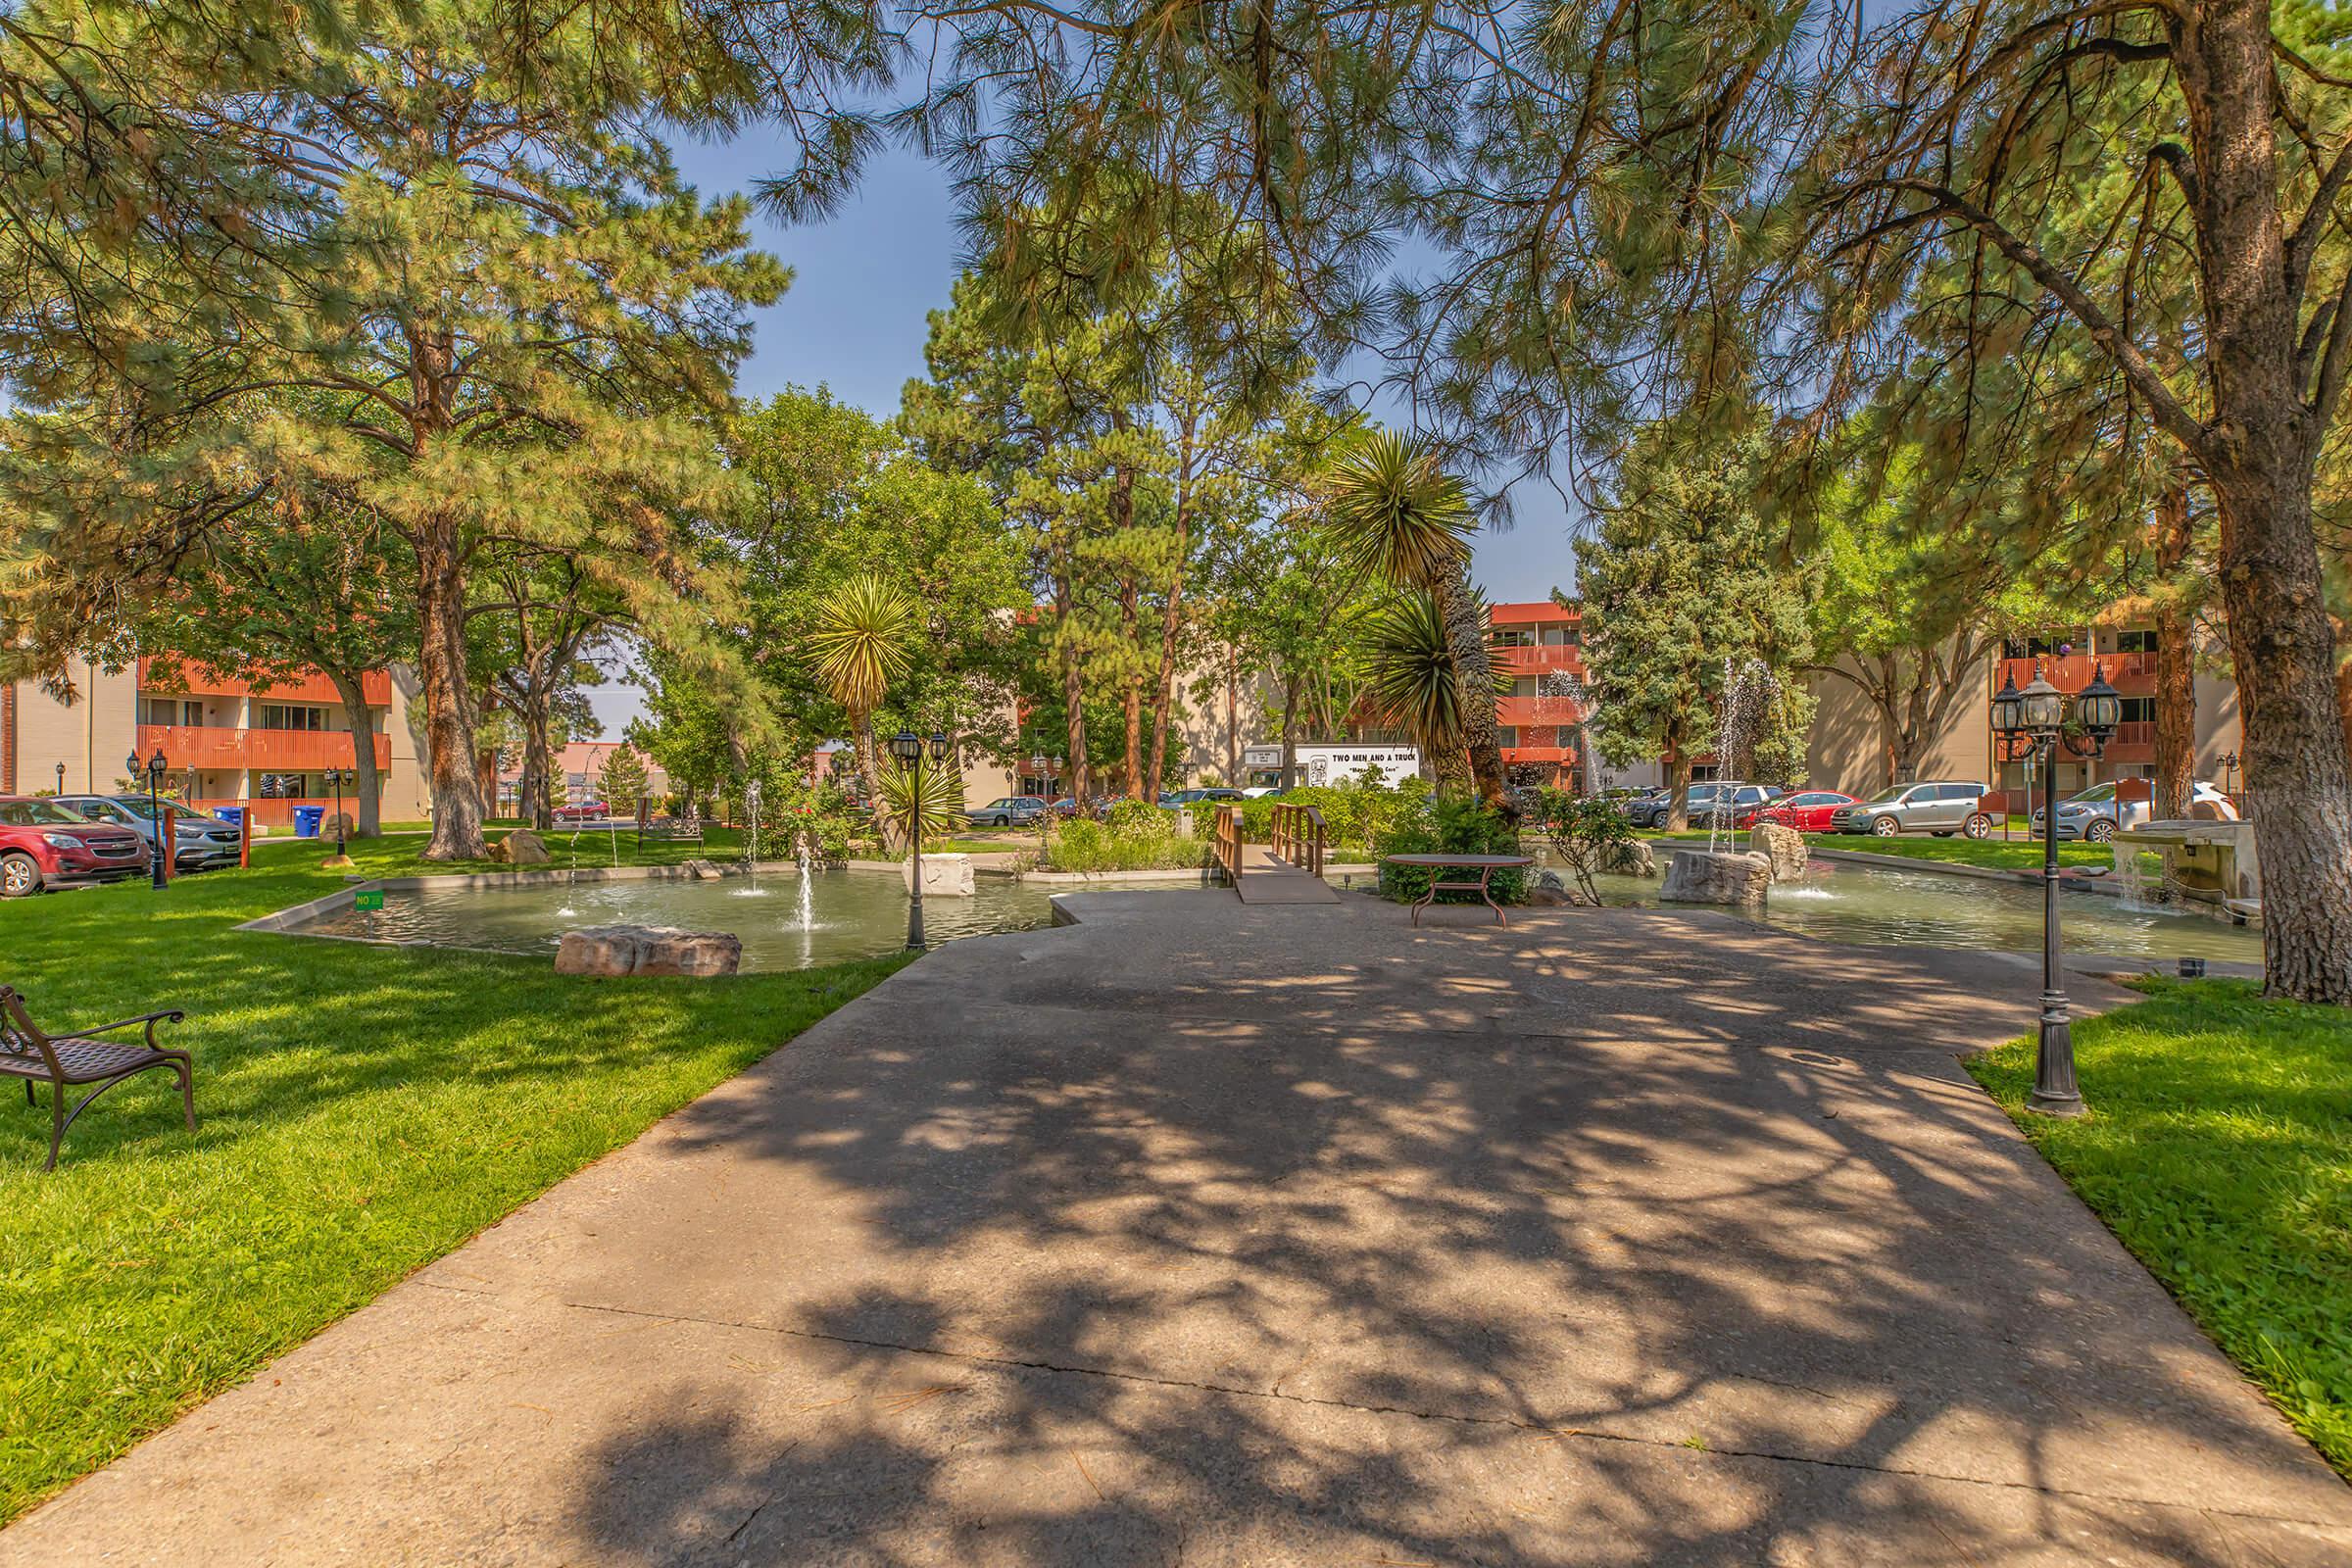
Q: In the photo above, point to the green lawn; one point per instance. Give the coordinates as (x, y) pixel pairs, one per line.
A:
(363, 1112)
(2016, 854)
(2219, 1149)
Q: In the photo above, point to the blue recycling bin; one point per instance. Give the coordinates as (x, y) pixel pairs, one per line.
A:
(307, 820)
(233, 815)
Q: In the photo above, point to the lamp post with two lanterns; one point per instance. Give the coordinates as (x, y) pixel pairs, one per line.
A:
(908, 747)
(336, 778)
(2033, 725)
(154, 767)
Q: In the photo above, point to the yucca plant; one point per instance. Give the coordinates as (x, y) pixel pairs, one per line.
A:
(862, 641)
(942, 802)
(1393, 511)
(1412, 680)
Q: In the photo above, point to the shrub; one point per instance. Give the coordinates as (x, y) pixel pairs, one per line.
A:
(1140, 818)
(1085, 846)
(1449, 825)
(1586, 834)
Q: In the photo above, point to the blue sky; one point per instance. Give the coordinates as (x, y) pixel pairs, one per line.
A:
(854, 320)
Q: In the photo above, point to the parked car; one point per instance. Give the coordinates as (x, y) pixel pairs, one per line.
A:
(1942, 806)
(1808, 811)
(201, 841)
(583, 812)
(43, 844)
(2095, 814)
(1261, 791)
(1183, 798)
(1009, 810)
(1701, 804)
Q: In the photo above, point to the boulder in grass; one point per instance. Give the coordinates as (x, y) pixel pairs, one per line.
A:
(522, 847)
(615, 950)
(1782, 846)
(1716, 876)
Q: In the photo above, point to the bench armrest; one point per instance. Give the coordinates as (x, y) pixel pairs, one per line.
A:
(150, 1019)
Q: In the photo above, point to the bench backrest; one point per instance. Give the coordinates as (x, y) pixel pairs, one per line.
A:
(20, 1036)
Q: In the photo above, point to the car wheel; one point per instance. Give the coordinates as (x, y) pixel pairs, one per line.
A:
(1885, 828)
(2101, 832)
(1980, 826)
(19, 875)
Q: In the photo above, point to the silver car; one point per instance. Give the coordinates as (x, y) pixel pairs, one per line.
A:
(2095, 813)
(1942, 806)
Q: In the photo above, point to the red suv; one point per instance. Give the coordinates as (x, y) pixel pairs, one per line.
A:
(43, 844)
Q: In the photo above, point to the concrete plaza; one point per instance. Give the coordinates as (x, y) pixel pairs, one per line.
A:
(1213, 1234)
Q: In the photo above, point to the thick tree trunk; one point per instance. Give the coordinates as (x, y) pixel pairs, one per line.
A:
(1073, 710)
(2263, 441)
(448, 715)
(367, 805)
(2176, 667)
(1290, 730)
(538, 764)
(1677, 784)
(1466, 639)
(1170, 618)
(869, 769)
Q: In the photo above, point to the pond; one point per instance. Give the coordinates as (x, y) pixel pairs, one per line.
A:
(1872, 905)
(856, 914)
(852, 915)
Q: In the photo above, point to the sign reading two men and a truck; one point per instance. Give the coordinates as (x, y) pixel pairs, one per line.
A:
(1331, 763)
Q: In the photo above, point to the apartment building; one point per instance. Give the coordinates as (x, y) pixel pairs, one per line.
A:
(1539, 649)
(225, 740)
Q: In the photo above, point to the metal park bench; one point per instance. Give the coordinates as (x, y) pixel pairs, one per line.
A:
(69, 1061)
(669, 830)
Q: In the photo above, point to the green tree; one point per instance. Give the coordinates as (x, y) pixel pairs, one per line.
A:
(1395, 515)
(862, 642)
(623, 779)
(1681, 582)
(1414, 681)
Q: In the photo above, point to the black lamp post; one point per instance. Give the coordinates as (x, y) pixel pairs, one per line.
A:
(61, 778)
(154, 767)
(907, 746)
(336, 778)
(2033, 723)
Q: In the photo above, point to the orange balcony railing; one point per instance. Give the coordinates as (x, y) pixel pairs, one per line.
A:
(164, 674)
(2132, 675)
(1535, 660)
(1517, 711)
(282, 751)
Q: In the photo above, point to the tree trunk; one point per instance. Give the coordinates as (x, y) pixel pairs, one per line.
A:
(448, 718)
(1170, 617)
(1290, 733)
(1474, 670)
(1233, 719)
(366, 806)
(869, 769)
(1073, 713)
(2175, 671)
(1678, 785)
(538, 763)
(2264, 440)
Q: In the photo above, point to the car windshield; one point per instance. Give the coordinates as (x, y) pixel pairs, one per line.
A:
(2097, 792)
(37, 813)
(1892, 792)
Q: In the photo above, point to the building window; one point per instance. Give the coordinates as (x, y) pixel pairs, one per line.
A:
(1513, 637)
(291, 716)
(1563, 637)
(2135, 642)
(170, 710)
(1524, 686)
(1506, 734)
(2139, 711)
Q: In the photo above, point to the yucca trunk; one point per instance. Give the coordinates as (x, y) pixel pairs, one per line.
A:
(869, 769)
(1466, 639)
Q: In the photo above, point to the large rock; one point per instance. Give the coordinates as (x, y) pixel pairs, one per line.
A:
(338, 825)
(700, 870)
(945, 876)
(522, 847)
(611, 950)
(1782, 846)
(1634, 858)
(1716, 876)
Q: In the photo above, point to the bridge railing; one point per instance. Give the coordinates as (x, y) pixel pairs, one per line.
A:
(1228, 850)
(1298, 837)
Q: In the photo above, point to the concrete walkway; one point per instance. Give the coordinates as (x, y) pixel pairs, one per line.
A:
(1211, 1234)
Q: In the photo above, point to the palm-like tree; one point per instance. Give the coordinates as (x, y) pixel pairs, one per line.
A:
(1411, 681)
(1394, 512)
(860, 643)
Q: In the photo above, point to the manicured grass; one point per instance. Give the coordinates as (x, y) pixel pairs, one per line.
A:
(361, 1109)
(2015, 855)
(2219, 1148)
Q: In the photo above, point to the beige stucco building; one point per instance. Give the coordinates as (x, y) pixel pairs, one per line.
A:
(225, 740)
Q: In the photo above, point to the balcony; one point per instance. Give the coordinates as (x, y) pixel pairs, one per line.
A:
(178, 677)
(1521, 711)
(275, 750)
(1539, 660)
(2132, 675)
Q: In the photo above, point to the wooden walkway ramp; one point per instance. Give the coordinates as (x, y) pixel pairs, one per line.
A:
(1268, 879)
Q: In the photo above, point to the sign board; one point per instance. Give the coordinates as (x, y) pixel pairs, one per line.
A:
(1331, 765)
(373, 899)
(1261, 757)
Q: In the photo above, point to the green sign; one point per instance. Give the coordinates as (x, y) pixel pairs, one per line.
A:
(373, 899)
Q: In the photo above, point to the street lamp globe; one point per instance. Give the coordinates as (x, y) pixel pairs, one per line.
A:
(157, 765)
(2008, 710)
(938, 747)
(2098, 705)
(2042, 707)
(133, 765)
(907, 746)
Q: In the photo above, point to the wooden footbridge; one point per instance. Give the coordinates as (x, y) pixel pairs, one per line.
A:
(1287, 870)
